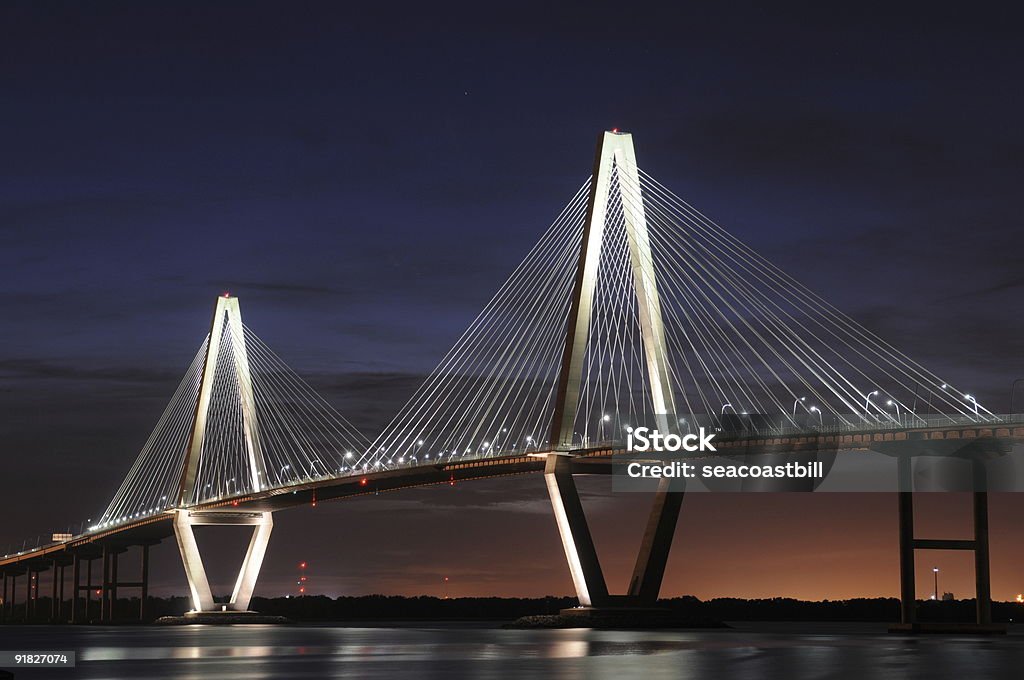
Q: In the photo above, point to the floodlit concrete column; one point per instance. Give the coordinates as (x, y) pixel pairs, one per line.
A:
(250, 571)
(227, 318)
(198, 584)
(195, 572)
(572, 527)
(615, 153)
(657, 542)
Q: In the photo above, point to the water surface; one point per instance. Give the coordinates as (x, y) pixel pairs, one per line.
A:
(755, 651)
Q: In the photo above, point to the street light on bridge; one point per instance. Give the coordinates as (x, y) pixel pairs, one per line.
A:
(796, 403)
(867, 402)
(815, 409)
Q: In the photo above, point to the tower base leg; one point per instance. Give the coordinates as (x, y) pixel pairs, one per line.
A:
(195, 572)
(584, 566)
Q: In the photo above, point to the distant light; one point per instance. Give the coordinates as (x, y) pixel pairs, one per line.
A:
(348, 454)
(606, 418)
(302, 565)
(615, 130)
(362, 481)
(225, 294)
(935, 569)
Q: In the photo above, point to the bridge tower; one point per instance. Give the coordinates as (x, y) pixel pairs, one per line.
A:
(226, 327)
(615, 160)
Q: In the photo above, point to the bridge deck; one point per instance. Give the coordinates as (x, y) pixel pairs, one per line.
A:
(910, 441)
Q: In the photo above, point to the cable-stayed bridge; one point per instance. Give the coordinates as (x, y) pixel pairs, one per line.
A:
(632, 309)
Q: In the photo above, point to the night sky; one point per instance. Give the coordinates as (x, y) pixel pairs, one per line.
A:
(364, 178)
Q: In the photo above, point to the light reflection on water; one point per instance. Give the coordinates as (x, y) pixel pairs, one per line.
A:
(756, 651)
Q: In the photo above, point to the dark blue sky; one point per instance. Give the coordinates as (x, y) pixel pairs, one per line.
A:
(364, 178)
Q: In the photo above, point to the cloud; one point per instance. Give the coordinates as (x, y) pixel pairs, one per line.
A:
(42, 369)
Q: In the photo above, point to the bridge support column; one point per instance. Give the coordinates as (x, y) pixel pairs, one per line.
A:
(14, 585)
(54, 608)
(3, 601)
(983, 588)
(60, 595)
(979, 545)
(661, 527)
(195, 572)
(88, 589)
(908, 595)
(76, 573)
(112, 605)
(584, 565)
(105, 589)
(28, 595)
(145, 583)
